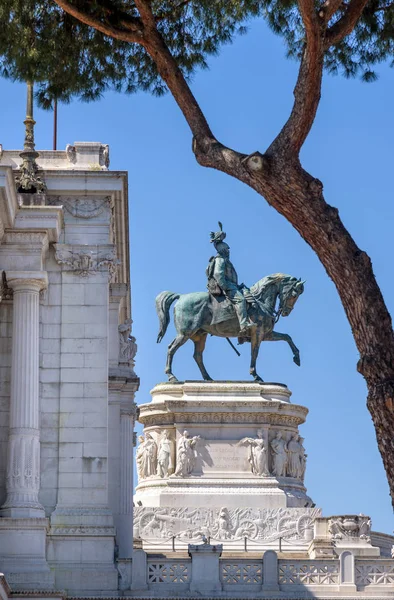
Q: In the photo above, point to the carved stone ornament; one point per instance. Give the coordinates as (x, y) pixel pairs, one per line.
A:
(86, 260)
(104, 155)
(257, 454)
(124, 572)
(71, 154)
(191, 524)
(6, 292)
(85, 207)
(279, 455)
(186, 454)
(344, 527)
(127, 344)
(146, 457)
(164, 457)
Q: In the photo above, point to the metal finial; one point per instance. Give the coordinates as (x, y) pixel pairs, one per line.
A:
(28, 181)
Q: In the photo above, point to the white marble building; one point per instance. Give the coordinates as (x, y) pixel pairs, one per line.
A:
(221, 506)
(67, 380)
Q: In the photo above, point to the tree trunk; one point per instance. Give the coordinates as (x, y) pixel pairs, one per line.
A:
(298, 196)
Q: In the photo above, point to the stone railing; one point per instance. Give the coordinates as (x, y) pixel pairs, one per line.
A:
(377, 572)
(205, 570)
(169, 571)
(308, 572)
(243, 572)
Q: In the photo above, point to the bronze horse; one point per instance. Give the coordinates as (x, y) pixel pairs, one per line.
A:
(196, 315)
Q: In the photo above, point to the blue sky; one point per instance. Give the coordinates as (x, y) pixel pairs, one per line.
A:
(174, 204)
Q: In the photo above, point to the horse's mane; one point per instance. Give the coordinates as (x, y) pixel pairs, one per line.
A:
(260, 286)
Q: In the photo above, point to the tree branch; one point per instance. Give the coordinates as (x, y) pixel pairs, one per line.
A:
(307, 89)
(132, 28)
(345, 24)
(328, 9)
(172, 75)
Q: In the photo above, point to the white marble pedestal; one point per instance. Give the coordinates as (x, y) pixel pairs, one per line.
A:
(228, 490)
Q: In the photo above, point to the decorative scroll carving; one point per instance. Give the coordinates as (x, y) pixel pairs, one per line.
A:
(308, 573)
(164, 458)
(265, 525)
(127, 344)
(350, 526)
(241, 572)
(86, 260)
(186, 454)
(146, 457)
(258, 454)
(169, 572)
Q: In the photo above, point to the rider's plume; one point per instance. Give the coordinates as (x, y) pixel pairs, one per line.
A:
(219, 235)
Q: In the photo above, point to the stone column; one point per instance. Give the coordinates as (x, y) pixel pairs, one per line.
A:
(23, 468)
(125, 523)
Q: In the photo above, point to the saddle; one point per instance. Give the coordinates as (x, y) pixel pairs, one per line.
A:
(222, 309)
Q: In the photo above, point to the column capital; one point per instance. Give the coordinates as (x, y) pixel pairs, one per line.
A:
(33, 281)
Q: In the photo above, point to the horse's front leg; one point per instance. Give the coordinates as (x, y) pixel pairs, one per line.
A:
(255, 347)
(285, 337)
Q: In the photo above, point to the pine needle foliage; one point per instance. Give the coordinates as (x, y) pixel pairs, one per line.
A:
(65, 58)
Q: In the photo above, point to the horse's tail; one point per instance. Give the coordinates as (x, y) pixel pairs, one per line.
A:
(163, 303)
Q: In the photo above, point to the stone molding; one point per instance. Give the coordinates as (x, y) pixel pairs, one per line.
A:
(30, 281)
(222, 388)
(252, 418)
(82, 530)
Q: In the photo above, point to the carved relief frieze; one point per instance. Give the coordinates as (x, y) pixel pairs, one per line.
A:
(192, 524)
(86, 260)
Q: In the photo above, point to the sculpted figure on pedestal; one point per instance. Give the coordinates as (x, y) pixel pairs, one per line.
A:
(164, 463)
(294, 457)
(279, 450)
(146, 456)
(186, 454)
(229, 309)
(258, 455)
(303, 457)
(127, 345)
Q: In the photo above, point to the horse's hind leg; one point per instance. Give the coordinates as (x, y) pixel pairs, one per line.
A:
(199, 345)
(172, 348)
(255, 347)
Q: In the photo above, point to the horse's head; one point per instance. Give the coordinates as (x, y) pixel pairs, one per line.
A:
(289, 291)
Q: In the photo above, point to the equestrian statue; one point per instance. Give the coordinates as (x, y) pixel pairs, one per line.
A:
(229, 309)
